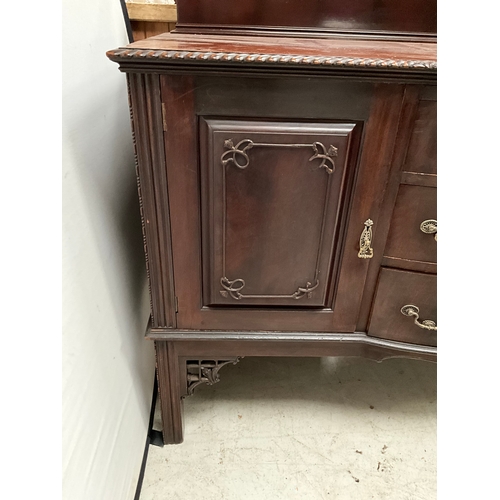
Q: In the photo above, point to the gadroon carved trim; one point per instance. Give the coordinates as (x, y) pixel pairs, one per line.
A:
(205, 372)
(141, 202)
(347, 62)
(240, 151)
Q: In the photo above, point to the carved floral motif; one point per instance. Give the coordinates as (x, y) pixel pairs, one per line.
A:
(239, 157)
(234, 287)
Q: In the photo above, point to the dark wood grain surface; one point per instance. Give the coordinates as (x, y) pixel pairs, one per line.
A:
(275, 216)
(325, 15)
(396, 289)
(414, 204)
(422, 150)
(146, 115)
(410, 121)
(180, 96)
(272, 210)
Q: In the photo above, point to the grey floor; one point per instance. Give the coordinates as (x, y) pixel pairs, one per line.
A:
(308, 428)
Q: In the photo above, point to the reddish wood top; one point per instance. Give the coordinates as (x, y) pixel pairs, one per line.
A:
(354, 48)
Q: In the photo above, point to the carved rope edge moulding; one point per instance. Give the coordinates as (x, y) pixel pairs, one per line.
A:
(353, 62)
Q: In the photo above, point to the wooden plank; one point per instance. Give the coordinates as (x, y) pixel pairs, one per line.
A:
(138, 30)
(145, 29)
(164, 13)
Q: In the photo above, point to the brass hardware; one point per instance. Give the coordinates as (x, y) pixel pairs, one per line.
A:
(414, 311)
(240, 152)
(430, 226)
(365, 241)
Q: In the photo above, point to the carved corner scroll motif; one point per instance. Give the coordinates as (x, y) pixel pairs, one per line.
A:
(237, 154)
(205, 372)
(233, 288)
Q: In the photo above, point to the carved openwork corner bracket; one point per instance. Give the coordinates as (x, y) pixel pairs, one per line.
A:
(239, 157)
(205, 372)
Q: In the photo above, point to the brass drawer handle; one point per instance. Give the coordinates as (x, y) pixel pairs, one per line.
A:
(414, 311)
(430, 226)
(365, 241)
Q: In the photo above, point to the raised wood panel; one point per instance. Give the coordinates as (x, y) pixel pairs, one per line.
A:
(395, 290)
(271, 195)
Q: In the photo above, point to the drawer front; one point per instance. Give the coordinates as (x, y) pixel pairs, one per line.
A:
(421, 155)
(414, 220)
(395, 290)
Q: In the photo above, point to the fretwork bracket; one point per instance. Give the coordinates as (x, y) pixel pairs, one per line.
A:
(205, 372)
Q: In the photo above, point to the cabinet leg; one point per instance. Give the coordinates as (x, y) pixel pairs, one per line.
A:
(167, 366)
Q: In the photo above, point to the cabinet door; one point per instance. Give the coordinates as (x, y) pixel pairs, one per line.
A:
(271, 207)
(270, 183)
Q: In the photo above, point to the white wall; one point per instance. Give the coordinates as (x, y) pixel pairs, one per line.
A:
(108, 366)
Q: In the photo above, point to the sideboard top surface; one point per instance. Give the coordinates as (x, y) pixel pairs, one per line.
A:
(284, 51)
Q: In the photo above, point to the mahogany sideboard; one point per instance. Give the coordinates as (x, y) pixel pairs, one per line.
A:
(287, 182)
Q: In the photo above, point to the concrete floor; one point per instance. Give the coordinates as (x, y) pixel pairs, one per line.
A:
(308, 428)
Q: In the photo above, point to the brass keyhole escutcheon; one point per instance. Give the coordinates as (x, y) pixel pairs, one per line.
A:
(365, 241)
